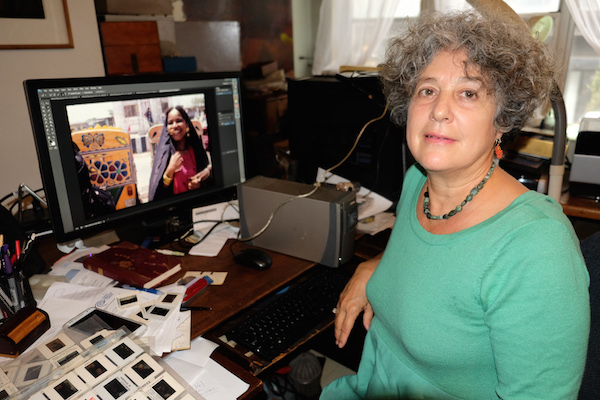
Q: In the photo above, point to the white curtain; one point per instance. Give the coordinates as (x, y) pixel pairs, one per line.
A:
(586, 14)
(343, 39)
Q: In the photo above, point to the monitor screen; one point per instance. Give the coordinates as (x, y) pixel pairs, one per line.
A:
(112, 149)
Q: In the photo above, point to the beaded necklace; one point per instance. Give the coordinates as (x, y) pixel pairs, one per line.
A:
(458, 208)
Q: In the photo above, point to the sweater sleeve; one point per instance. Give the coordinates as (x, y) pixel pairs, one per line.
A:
(536, 303)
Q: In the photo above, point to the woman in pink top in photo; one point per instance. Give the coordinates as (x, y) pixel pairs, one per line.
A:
(180, 162)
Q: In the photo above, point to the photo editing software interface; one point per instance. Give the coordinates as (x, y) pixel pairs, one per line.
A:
(99, 145)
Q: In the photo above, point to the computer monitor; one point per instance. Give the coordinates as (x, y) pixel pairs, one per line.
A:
(113, 127)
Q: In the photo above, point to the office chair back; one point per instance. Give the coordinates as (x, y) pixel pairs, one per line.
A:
(590, 387)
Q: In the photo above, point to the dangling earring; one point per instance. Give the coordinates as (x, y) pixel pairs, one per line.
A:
(187, 131)
(498, 150)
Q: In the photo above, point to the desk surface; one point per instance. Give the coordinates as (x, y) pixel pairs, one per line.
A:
(580, 207)
(242, 288)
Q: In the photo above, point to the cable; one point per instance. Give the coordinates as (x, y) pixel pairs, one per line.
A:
(264, 228)
(317, 183)
(216, 222)
(356, 141)
(2, 200)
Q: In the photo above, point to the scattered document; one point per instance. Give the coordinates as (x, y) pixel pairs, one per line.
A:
(371, 206)
(63, 301)
(217, 277)
(206, 376)
(184, 331)
(377, 223)
(207, 221)
(76, 273)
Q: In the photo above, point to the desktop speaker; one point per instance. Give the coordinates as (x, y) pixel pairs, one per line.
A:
(320, 227)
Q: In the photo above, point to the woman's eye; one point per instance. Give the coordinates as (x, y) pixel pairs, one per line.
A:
(470, 94)
(426, 92)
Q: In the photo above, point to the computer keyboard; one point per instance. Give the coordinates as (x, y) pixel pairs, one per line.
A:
(290, 315)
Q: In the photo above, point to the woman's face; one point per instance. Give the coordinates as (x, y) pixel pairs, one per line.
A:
(176, 125)
(450, 124)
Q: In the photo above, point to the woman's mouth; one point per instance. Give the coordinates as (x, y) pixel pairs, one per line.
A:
(431, 137)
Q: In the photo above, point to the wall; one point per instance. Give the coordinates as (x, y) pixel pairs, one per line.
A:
(266, 26)
(305, 21)
(18, 161)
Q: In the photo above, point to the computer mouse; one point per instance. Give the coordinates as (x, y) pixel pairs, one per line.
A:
(253, 258)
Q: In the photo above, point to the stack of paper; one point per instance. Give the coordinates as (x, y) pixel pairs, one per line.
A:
(160, 312)
(218, 232)
(202, 373)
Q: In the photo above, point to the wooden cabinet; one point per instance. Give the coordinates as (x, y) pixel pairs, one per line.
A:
(263, 113)
(131, 47)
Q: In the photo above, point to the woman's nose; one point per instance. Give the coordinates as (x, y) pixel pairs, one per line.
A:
(441, 109)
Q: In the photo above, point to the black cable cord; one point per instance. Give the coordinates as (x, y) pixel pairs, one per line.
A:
(24, 197)
(6, 197)
(188, 245)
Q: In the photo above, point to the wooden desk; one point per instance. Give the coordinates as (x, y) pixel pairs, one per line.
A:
(580, 207)
(242, 288)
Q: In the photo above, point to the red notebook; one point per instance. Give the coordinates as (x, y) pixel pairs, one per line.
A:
(134, 265)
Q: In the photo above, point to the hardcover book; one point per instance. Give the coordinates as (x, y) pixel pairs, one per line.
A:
(134, 265)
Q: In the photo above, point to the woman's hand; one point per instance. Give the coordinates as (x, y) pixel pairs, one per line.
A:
(175, 163)
(353, 300)
(196, 180)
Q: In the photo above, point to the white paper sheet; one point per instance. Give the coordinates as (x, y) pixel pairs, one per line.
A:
(370, 204)
(206, 376)
(78, 275)
(214, 242)
(373, 203)
(159, 333)
(376, 224)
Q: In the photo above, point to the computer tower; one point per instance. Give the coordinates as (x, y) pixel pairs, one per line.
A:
(319, 228)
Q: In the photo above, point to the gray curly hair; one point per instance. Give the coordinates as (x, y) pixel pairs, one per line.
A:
(516, 67)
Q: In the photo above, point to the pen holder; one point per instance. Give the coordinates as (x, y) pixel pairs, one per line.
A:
(15, 293)
(21, 330)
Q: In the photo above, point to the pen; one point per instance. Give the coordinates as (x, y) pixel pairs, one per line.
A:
(209, 210)
(170, 252)
(192, 308)
(18, 249)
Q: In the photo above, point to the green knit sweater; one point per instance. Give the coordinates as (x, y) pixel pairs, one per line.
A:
(498, 310)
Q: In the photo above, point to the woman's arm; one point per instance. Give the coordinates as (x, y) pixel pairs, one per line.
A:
(353, 300)
(175, 162)
(536, 303)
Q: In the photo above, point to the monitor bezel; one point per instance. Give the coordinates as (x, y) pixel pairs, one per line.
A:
(180, 207)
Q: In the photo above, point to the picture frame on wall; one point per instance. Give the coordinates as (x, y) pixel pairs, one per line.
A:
(35, 24)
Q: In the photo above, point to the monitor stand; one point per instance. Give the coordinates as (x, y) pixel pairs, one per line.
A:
(98, 240)
(152, 232)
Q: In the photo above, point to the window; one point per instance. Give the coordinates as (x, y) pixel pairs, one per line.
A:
(131, 111)
(534, 7)
(582, 88)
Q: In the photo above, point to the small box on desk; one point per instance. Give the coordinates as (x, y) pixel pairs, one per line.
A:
(320, 227)
(21, 330)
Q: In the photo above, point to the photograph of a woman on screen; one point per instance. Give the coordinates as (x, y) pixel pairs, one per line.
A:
(180, 161)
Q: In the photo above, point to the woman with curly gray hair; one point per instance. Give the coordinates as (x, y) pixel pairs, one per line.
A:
(481, 292)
